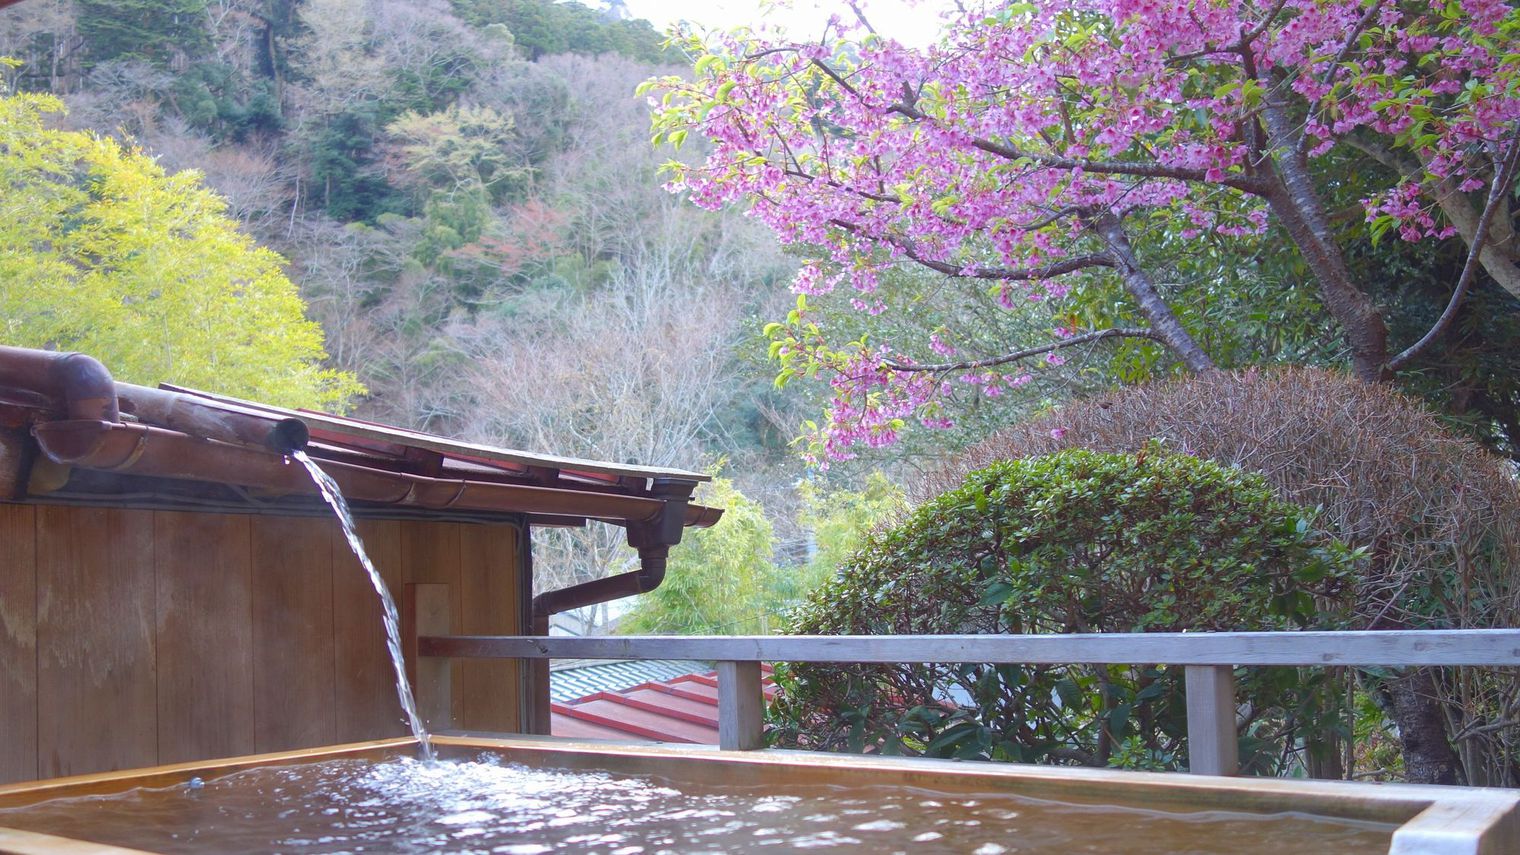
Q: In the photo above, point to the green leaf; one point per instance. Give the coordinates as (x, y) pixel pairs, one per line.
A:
(995, 593)
(1118, 720)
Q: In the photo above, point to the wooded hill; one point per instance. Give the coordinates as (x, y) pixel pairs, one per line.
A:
(468, 201)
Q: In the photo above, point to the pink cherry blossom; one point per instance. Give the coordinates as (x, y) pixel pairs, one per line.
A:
(1002, 156)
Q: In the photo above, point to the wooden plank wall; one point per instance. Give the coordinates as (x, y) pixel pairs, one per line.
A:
(18, 643)
(133, 637)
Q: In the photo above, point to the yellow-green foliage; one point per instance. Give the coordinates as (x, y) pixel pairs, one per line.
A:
(840, 520)
(102, 252)
(720, 579)
(459, 147)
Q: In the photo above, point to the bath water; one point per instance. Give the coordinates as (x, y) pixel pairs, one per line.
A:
(487, 805)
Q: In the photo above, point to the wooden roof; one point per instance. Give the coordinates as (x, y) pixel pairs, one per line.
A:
(384, 440)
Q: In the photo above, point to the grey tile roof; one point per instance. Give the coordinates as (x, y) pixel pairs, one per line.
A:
(587, 677)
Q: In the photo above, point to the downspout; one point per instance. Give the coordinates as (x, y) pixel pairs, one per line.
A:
(653, 540)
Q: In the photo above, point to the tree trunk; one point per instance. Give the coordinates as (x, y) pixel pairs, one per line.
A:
(1325, 760)
(1428, 755)
(1295, 200)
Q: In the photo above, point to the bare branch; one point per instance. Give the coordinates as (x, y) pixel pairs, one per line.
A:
(835, 76)
(1137, 282)
(794, 172)
(1255, 32)
(970, 364)
(861, 17)
(1504, 177)
(1015, 274)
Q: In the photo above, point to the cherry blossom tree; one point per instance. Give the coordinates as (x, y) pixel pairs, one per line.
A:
(1037, 147)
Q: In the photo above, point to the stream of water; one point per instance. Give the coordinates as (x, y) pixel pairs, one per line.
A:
(334, 497)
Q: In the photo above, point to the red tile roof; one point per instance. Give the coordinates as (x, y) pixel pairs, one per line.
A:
(681, 709)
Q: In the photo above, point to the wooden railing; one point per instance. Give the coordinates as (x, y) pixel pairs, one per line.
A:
(1209, 660)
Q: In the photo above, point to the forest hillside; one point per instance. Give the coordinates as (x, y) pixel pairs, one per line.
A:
(465, 195)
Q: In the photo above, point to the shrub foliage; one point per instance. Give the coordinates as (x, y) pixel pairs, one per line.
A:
(1077, 541)
(1438, 516)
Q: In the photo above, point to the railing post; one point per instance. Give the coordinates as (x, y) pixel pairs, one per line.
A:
(741, 706)
(539, 706)
(1212, 745)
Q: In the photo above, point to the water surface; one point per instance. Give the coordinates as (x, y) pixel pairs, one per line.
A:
(488, 806)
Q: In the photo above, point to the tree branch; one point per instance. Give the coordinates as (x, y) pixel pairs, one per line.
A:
(793, 172)
(1504, 178)
(861, 17)
(1100, 335)
(906, 108)
(1010, 274)
(1236, 46)
(1501, 254)
(1137, 282)
(834, 76)
(1138, 169)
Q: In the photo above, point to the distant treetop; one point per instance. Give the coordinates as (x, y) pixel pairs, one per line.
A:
(543, 27)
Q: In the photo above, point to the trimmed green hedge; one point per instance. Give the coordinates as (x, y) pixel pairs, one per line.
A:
(1071, 542)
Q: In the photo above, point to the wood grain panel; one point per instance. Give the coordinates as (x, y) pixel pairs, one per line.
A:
(205, 645)
(364, 698)
(293, 663)
(425, 611)
(489, 606)
(96, 708)
(430, 554)
(18, 643)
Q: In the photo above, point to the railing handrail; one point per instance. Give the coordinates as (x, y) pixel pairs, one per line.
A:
(1491, 647)
(1208, 660)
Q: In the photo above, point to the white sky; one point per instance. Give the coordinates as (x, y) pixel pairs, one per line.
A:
(912, 22)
